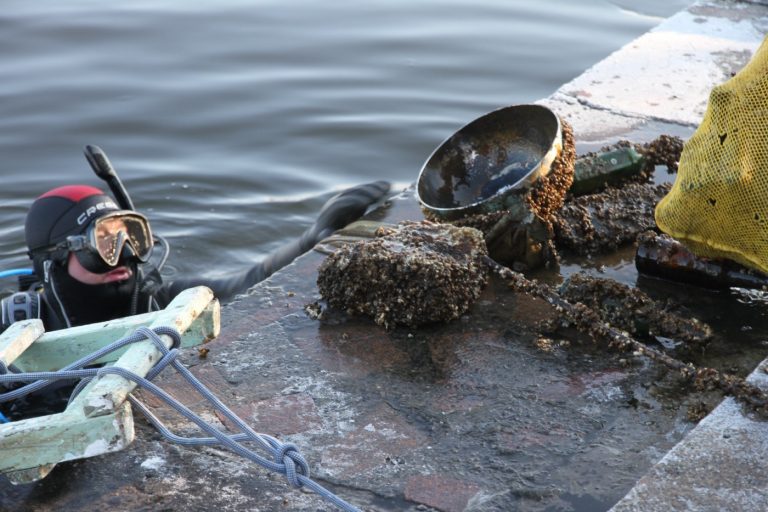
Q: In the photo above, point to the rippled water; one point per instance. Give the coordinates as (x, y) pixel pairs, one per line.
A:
(232, 121)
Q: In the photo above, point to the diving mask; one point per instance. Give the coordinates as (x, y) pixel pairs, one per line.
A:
(110, 237)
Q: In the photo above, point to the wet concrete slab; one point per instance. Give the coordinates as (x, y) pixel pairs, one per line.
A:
(720, 465)
(664, 75)
(476, 414)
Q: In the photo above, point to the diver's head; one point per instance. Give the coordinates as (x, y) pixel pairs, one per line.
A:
(82, 221)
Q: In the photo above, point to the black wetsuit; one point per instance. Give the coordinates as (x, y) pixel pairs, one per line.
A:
(84, 304)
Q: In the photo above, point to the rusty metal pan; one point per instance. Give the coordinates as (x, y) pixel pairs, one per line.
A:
(489, 164)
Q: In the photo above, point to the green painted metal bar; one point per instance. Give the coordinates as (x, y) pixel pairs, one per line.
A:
(56, 349)
(99, 420)
(106, 393)
(18, 337)
(31, 448)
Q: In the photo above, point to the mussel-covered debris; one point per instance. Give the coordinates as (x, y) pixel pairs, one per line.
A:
(632, 310)
(529, 243)
(604, 221)
(548, 194)
(412, 274)
(585, 225)
(521, 245)
(589, 322)
(664, 150)
(545, 196)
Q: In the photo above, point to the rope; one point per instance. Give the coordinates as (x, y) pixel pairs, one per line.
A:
(285, 457)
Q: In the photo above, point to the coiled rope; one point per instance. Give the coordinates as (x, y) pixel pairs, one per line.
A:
(285, 457)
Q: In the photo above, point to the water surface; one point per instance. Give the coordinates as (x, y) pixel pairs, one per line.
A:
(231, 122)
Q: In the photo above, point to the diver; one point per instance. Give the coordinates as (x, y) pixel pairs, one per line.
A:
(92, 262)
(91, 257)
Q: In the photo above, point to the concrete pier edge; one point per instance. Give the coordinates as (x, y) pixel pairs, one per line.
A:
(665, 77)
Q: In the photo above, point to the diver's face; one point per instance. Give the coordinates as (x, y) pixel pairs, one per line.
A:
(78, 272)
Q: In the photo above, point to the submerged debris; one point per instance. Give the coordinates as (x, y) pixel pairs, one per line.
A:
(415, 273)
(632, 310)
(601, 222)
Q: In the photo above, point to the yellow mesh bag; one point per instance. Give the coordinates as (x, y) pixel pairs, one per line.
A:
(718, 205)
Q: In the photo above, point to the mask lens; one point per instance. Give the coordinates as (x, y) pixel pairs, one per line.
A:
(111, 233)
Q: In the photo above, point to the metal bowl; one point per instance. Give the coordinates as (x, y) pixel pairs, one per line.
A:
(489, 164)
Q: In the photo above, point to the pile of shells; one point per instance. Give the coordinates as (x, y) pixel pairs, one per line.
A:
(412, 274)
(604, 221)
(664, 150)
(547, 195)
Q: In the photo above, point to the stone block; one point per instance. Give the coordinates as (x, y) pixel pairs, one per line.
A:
(441, 492)
(278, 416)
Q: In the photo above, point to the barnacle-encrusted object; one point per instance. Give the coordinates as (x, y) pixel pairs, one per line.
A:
(412, 274)
(633, 311)
(602, 222)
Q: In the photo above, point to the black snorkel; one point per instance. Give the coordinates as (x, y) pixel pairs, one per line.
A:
(149, 279)
(104, 170)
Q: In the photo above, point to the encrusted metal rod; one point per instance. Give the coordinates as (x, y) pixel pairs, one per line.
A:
(586, 320)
